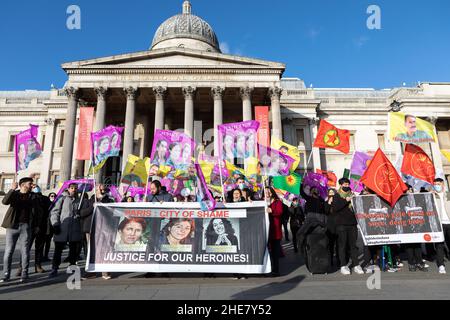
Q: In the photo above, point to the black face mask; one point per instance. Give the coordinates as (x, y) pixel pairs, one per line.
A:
(346, 189)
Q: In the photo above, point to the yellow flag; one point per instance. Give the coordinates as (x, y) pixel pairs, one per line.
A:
(251, 167)
(446, 154)
(135, 173)
(410, 129)
(292, 151)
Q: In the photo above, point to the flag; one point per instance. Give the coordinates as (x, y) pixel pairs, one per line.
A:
(203, 195)
(135, 173)
(332, 179)
(84, 133)
(317, 181)
(361, 161)
(105, 143)
(262, 116)
(408, 128)
(446, 154)
(285, 148)
(27, 148)
(382, 178)
(329, 136)
(290, 183)
(416, 163)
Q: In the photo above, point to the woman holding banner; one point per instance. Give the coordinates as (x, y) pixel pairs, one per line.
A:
(275, 210)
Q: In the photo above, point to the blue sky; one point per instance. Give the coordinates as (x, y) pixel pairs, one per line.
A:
(324, 42)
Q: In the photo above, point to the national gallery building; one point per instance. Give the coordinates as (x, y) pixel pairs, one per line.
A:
(184, 81)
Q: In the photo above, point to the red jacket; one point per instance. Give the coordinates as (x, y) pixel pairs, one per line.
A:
(275, 232)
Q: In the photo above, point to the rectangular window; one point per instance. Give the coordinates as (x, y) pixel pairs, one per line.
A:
(381, 141)
(11, 143)
(6, 184)
(43, 141)
(61, 139)
(55, 180)
(352, 141)
(301, 138)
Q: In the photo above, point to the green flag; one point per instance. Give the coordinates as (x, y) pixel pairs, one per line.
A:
(346, 173)
(290, 183)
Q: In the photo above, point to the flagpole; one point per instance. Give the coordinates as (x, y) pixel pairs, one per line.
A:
(221, 180)
(309, 160)
(146, 182)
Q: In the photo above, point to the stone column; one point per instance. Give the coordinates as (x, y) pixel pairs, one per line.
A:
(100, 113)
(246, 95)
(160, 94)
(189, 94)
(48, 152)
(69, 133)
(130, 114)
(217, 94)
(101, 108)
(275, 94)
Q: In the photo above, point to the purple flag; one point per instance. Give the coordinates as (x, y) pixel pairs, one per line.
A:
(356, 186)
(238, 140)
(115, 193)
(204, 197)
(360, 163)
(274, 162)
(83, 184)
(27, 148)
(317, 181)
(106, 143)
(172, 148)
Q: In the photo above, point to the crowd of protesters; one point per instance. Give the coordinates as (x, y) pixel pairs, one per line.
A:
(35, 218)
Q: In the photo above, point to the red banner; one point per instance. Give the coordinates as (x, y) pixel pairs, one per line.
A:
(84, 133)
(262, 116)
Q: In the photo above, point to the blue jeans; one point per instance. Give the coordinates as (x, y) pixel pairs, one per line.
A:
(22, 234)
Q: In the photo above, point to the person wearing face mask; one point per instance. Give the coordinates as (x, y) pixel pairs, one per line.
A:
(315, 205)
(21, 221)
(38, 234)
(296, 219)
(346, 229)
(86, 213)
(439, 191)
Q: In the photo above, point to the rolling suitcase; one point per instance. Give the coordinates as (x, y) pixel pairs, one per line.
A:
(317, 253)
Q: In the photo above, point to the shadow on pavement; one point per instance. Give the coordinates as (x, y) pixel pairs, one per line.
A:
(269, 290)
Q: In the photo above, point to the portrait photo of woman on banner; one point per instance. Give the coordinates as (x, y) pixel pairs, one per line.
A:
(273, 162)
(220, 235)
(237, 141)
(177, 235)
(131, 235)
(172, 149)
(27, 148)
(105, 143)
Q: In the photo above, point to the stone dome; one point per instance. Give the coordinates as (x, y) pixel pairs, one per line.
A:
(186, 30)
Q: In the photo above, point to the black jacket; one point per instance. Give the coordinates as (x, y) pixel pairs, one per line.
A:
(39, 211)
(316, 205)
(87, 211)
(296, 217)
(342, 211)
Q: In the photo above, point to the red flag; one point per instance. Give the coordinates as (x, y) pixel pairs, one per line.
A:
(383, 179)
(416, 163)
(84, 148)
(331, 137)
(262, 116)
(332, 179)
